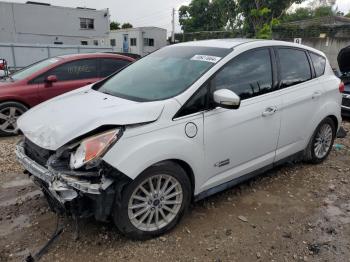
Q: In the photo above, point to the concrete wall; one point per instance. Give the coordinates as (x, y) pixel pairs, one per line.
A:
(28, 23)
(22, 55)
(158, 34)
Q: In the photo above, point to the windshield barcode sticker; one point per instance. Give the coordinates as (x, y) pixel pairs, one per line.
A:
(206, 58)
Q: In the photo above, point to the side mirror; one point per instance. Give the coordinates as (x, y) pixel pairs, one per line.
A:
(227, 99)
(51, 79)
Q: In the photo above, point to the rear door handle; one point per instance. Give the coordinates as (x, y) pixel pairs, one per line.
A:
(269, 111)
(316, 95)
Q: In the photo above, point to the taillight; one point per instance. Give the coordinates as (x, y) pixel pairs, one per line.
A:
(2, 66)
(341, 87)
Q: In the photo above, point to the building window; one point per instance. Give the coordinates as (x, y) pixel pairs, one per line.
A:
(86, 23)
(58, 43)
(133, 41)
(148, 41)
(95, 42)
(84, 42)
(113, 42)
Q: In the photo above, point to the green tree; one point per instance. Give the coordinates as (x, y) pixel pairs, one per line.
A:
(114, 25)
(299, 14)
(202, 15)
(127, 25)
(322, 11)
(348, 15)
(260, 15)
(309, 13)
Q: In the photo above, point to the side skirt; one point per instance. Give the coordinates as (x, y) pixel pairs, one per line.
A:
(212, 191)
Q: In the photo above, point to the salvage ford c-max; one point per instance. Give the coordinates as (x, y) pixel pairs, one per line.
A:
(181, 124)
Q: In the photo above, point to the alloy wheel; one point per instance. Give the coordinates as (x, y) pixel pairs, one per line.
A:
(323, 141)
(155, 203)
(8, 119)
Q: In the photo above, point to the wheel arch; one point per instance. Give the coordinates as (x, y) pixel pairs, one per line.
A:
(335, 121)
(15, 101)
(189, 171)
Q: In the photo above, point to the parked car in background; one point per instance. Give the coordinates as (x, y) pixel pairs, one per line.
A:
(49, 78)
(180, 124)
(344, 75)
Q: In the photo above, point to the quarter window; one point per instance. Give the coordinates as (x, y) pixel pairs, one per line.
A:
(248, 75)
(109, 66)
(294, 67)
(319, 64)
(195, 104)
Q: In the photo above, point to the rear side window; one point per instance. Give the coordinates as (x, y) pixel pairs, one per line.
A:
(319, 64)
(294, 67)
(248, 75)
(109, 66)
(75, 70)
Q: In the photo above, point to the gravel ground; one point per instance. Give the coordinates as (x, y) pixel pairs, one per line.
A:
(297, 212)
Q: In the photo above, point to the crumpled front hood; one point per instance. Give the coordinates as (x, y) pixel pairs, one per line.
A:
(58, 121)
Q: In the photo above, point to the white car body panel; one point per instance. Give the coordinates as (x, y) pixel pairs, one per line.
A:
(53, 124)
(247, 138)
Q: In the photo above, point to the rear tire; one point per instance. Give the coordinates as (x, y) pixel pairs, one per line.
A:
(154, 202)
(9, 113)
(321, 142)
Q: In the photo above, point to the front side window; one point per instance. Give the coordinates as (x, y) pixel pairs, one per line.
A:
(76, 70)
(28, 71)
(163, 74)
(87, 23)
(248, 75)
(110, 66)
(319, 64)
(294, 67)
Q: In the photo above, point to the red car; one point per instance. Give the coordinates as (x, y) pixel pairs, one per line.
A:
(49, 78)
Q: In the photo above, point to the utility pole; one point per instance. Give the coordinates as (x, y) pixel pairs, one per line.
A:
(173, 26)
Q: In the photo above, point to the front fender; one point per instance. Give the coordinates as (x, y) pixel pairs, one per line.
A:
(133, 155)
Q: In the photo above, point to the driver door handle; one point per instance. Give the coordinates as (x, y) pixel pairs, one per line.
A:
(269, 111)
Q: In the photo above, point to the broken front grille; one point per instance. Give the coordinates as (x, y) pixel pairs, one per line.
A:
(36, 153)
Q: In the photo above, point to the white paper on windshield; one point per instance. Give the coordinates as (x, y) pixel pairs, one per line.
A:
(206, 58)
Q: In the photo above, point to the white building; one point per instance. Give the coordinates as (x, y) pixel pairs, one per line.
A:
(41, 23)
(140, 40)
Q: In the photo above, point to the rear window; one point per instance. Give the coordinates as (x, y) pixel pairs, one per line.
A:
(110, 66)
(294, 67)
(319, 64)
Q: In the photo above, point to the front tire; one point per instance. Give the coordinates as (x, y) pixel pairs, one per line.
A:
(321, 142)
(9, 113)
(154, 202)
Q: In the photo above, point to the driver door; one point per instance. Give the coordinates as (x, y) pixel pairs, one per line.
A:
(70, 76)
(241, 141)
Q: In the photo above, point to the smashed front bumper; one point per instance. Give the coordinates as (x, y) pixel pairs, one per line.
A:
(66, 192)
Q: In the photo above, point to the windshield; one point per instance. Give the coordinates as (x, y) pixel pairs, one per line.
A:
(163, 74)
(28, 71)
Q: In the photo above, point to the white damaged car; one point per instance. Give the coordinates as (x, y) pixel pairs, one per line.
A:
(181, 124)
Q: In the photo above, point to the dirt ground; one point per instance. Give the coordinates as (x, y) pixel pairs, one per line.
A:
(297, 212)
